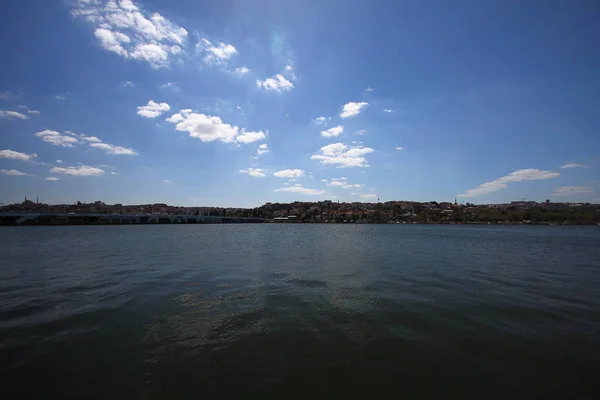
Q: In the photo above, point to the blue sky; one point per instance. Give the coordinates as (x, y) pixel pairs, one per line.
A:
(236, 103)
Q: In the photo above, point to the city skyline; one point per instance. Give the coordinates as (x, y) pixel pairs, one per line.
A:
(235, 104)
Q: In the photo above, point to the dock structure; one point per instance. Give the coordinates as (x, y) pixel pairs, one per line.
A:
(29, 219)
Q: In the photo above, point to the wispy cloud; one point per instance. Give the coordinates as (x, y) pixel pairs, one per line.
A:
(502, 182)
(351, 109)
(13, 172)
(567, 166)
(242, 70)
(255, 172)
(399, 148)
(301, 190)
(342, 183)
(52, 178)
(572, 190)
(112, 149)
(80, 170)
(388, 110)
(129, 31)
(321, 120)
(262, 149)
(57, 139)
(6, 114)
(15, 155)
(215, 54)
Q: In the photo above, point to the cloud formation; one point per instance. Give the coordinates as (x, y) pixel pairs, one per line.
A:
(12, 172)
(112, 149)
(242, 70)
(152, 109)
(289, 173)
(299, 189)
(57, 139)
(217, 54)
(502, 182)
(351, 109)
(332, 132)
(262, 149)
(342, 183)
(343, 156)
(81, 170)
(572, 190)
(125, 29)
(13, 115)
(567, 166)
(276, 83)
(15, 155)
(52, 178)
(255, 172)
(208, 128)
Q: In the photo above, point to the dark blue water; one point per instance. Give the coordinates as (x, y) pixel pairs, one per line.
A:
(299, 311)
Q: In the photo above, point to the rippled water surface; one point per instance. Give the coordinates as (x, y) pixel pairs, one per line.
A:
(299, 311)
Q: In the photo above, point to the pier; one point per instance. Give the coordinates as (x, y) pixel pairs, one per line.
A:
(29, 219)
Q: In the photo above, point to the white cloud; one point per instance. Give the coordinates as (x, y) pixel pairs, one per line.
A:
(12, 115)
(399, 148)
(114, 173)
(369, 89)
(128, 84)
(360, 132)
(351, 109)
(572, 190)
(208, 128)
(369, 196)
(81, 170)
(250, 136)
(530, 174)
(52, 178)
(15, 155)
(33, 112)
(56, 138)
(214, 55)
(109, 41)
(153, 109)
(289, 71)
(566, 166)
(256, 172)
(262, 149)
(289, 173)
(388, 110)
(277, 83)
(343, 156)
(125, 29)
(170, 85)
(92, 139)
(60, 97)
(341, 182)
(302, 190)
(12, 172)
(335, 131)
(59, 161)
(167, 181)
(112, 149)
(321, 120)
(242, 70)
